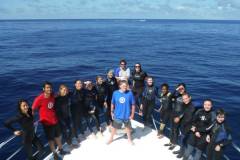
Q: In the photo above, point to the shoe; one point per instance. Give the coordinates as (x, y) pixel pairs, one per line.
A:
(168, 144)
(177, 152)
(75, 146)
(172, 147)
(79, 140)
(55, 156)
(62, 152)
(180, 155)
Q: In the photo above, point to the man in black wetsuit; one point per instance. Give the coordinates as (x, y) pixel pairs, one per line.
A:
(102, 94)
(186, 122)
(202, 123)
(25, 119)
(112, 85)
(138, 77)
(177, 114)
(91, 105)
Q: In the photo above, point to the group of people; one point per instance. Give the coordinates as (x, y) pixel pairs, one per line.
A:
(117, 97)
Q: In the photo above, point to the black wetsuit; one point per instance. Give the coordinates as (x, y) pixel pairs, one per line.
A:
(101, 95)
(28, 134)
(111, 84)
(186, 121)
(186, 124)
(77, 110)
(102, 98)
(203, 121)
(166, 107)
(178, 111)
(92, 105)
(149, 101)
(138, 79)
(220, 134)
(62, 105)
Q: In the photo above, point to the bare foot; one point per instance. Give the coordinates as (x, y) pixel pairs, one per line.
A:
(131, 142)
(109, 142)
(160, 136)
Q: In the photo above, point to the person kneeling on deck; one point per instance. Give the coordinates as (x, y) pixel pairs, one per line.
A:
(149, 96)
(219, 137)
(122, 109)
(45, 102)
(202, 124)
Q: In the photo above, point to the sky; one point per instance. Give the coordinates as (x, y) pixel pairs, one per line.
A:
(120, 9)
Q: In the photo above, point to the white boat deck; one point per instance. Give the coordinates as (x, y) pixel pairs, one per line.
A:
(146, 146)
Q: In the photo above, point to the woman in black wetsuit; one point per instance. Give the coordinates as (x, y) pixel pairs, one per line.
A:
(149, 96)
(62, 104)
(77, 107)
(25, 119)
(138, 77)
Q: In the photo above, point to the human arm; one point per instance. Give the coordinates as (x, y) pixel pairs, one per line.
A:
(9, 124)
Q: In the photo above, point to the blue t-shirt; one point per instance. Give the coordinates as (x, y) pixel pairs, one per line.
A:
(122, 102)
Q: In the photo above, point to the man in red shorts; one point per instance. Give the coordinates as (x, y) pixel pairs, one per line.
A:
(47, 114)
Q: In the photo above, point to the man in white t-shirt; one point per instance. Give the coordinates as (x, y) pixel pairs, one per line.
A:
(122, 73)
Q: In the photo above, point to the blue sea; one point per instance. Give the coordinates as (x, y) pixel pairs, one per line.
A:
(204, 54)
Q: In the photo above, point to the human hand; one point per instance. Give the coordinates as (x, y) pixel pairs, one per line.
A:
(17, 133)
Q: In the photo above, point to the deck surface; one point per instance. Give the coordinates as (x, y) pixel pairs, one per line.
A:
(146, 146)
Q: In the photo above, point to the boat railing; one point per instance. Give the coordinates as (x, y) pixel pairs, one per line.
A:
(36, 124)
(233, 144)
(9, 139)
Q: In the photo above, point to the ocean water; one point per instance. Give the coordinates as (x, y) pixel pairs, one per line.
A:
(203, 54)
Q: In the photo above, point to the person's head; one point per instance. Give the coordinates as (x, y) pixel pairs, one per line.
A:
(181, 88)
(186, 98)
(23, 106)
(47, 88)
(207, 104)
(99, 80)
(123, 63)
(123, 85)
(164, 88)
(137, 67)
(110, 73)
(220, 115)
(149, 81)
(89, 85)
(63, 90)
(78, 84)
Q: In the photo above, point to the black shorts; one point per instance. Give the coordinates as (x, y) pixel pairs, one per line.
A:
(52, 131)
(118, 123)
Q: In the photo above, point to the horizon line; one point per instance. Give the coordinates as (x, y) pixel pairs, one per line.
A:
(201, 19)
